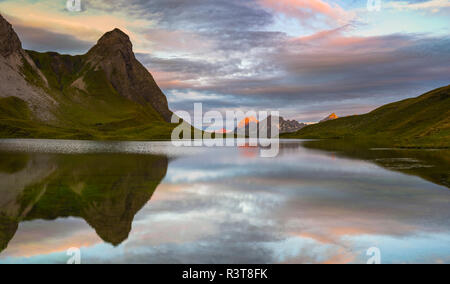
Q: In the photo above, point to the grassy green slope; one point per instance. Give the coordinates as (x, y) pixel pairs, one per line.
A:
(97, 112)
(419, 122)
(15, 118)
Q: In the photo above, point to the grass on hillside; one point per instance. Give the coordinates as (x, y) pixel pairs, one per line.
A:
(96, 112)
(16, 121)
(422, 122)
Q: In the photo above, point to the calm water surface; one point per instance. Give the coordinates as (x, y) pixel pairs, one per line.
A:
(136, 202)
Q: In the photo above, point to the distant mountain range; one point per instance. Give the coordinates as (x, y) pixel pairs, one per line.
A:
(289, 126)
(103, 94)
(250, 124)
(418, 122)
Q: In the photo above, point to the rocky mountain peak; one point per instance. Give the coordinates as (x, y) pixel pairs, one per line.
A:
(332, 116)
(9, 41)
(115, 36)
(246, 121)
(113, 54)
(113, 41)
(286, 126)
(112, 59)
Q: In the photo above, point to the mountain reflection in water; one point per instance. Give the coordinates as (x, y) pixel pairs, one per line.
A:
(315, 202)
(106, 190)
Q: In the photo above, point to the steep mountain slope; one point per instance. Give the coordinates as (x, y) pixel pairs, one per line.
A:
(103, 94)
(418, 122)
(12, 81)
(114, 55)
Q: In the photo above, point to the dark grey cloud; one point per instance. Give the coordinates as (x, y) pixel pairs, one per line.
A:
(370, 66)
(43, 40)
(231, 49)
(283, 73)
(192, 14)
(188, 68)
(246, 41)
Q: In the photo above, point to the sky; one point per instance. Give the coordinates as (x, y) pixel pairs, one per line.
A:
(304, 58)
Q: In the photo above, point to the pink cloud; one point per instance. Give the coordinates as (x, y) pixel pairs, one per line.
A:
(171, 80)
(304, 10)
(336, 41)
